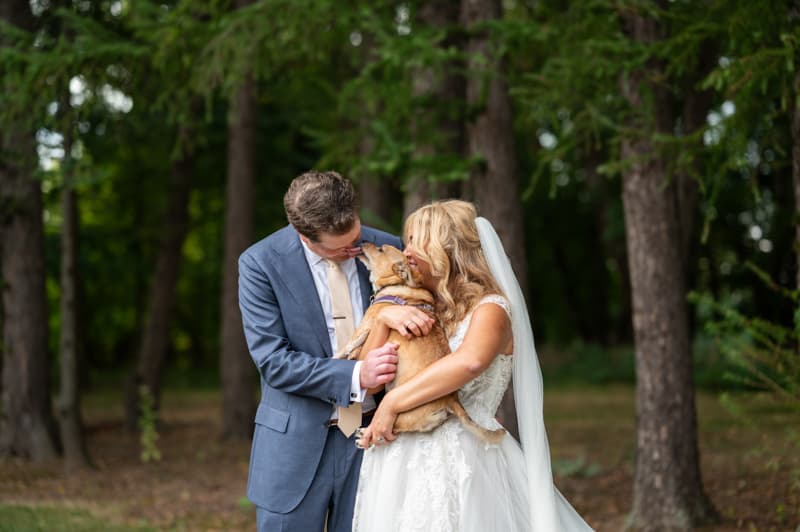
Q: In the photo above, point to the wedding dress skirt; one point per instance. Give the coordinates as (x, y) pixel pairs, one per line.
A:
(448, 480)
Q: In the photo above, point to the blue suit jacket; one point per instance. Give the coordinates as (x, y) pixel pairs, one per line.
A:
(288, 339)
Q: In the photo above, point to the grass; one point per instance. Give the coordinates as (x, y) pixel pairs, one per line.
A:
(751, 467)
(18, 518)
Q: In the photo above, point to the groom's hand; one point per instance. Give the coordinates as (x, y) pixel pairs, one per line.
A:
(379, 366)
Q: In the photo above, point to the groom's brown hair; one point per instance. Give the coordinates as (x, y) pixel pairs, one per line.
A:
(321, 202)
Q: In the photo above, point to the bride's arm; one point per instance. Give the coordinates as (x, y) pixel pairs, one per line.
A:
(489, 332)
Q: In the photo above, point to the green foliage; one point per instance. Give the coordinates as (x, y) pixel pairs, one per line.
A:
(589, 364)
(576, 467)
(336, 88)
(762, 353)
(148, 426)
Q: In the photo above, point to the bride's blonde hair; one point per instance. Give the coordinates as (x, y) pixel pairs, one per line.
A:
(444, 235)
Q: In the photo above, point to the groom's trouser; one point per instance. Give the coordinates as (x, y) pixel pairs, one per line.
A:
(332, 492)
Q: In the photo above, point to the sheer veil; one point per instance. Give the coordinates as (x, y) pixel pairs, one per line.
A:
(549, 511)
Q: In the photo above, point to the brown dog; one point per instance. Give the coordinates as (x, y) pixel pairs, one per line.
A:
(395, 282)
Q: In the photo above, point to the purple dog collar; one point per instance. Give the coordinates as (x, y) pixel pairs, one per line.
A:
(396, 300)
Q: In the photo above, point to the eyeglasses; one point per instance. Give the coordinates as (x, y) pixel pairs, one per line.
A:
(356, 243)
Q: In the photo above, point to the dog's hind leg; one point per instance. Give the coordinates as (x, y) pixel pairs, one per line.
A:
(411, 421)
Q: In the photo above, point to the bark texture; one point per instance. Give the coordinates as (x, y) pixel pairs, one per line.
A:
(163, 292)
(27, 427)
(236, 367)
(668, 488)
(796, 166)
(68, 404)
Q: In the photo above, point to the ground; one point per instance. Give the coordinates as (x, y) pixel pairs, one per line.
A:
(751, 470)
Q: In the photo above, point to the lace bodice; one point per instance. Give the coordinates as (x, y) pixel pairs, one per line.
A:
(481, 396)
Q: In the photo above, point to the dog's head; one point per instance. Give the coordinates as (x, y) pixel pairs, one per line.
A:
(388, 266)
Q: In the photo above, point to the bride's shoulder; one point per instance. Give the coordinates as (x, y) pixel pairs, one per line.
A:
(495, 299)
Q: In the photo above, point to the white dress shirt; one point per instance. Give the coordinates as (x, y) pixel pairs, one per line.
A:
(319, 271)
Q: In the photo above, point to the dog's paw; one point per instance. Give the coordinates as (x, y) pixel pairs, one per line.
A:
(359, 434)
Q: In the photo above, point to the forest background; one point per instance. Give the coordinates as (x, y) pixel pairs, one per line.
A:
(640, 160)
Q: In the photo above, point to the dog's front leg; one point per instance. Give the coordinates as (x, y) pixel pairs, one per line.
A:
(353, 348)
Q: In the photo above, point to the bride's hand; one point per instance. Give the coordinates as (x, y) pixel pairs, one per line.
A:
(408, 321)
(380, 431)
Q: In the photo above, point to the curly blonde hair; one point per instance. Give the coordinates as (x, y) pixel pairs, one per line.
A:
(445, 236)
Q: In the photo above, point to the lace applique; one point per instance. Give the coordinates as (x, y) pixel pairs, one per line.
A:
(481, 396)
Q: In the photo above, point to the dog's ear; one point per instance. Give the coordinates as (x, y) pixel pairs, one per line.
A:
(409, 276)
(404, 272)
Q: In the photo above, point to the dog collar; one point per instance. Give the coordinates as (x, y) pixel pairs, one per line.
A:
(427, 307)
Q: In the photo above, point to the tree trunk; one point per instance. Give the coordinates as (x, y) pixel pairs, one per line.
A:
(696, 106)
(439, 88)
(796, 167)
(668, 489)
(27, 427)
(377, 200)
(490, 136)
(236, 367)
(68, 405)
(376, 195)
(619, 325)
(155, 335)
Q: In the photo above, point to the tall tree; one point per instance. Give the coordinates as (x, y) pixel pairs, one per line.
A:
(68, 403)
(27, 427)
(439, 91)
(796, 164)
(236, 368)
(493, 183)
(163, 288)
(668, 489)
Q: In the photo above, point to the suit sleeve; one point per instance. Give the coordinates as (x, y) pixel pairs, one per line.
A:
(279, 364)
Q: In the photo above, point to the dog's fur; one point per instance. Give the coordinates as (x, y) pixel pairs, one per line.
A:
(391, 275)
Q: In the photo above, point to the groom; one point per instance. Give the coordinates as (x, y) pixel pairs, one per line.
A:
(297, 287)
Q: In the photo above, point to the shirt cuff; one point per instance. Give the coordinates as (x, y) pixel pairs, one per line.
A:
(357, 393)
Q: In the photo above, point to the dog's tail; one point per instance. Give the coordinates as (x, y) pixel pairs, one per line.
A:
(489, 436)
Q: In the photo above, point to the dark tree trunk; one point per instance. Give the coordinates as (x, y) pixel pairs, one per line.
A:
(490, 136)
(439, 90)
(68, 405)
(155, 335)
(796, 167)
(696, 105)
(27, 427)
(668, 488)
(377, 200)
(377, 196)
(605, 328)
(236, 367)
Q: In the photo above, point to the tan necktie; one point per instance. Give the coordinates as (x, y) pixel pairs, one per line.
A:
(344, 326)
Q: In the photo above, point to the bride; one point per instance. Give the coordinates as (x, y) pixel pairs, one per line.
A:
(447, 479)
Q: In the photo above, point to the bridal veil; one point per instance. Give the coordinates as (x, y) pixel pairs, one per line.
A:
(549, 511)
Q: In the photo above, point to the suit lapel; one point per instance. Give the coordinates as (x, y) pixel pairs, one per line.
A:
(363, 277)
(296, 275)
(366, 286)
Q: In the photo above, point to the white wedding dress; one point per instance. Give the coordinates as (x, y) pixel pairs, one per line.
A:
(448, 480)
